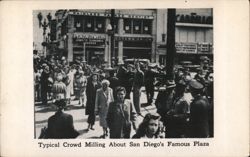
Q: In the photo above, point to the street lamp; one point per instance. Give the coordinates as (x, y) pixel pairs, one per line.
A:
(109, 31)
(44, 25)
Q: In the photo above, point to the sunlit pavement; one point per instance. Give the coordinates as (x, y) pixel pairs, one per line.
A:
(42, 113)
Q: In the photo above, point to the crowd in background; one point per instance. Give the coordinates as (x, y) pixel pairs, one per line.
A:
(184, 105)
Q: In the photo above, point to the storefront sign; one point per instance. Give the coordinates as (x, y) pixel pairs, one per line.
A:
(193, 47)
(186, 47)
(133, 38)
(109, 15)
(204, 47)
(88, 36)
(89, 39)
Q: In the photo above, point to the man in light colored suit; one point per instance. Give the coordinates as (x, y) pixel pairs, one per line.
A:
(137, 84)
(104, 96)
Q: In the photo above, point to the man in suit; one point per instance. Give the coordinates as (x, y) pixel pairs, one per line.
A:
(121, 74)
(129, 80)
(149, 76)
(114, 81)
(60, 125)
(199, 112)
(121, 115)
(137, 84)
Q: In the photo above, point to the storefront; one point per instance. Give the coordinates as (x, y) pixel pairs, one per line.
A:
(193, 35)
(136, 47)
(89, 46)
(86, 32)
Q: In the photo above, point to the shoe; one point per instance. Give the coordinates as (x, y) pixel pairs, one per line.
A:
(102, 136)
(92, 128)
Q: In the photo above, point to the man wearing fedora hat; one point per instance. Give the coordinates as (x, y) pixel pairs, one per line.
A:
(199, 112)
(178, 114)
(164, 99)
(60, 125)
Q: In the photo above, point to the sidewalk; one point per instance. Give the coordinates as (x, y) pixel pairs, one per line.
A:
(42, 113)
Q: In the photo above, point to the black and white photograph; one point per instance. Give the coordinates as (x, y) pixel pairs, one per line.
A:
(124, 78)
(123, 73)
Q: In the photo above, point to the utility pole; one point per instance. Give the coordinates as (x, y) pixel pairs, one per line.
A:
(170, 57)
(112, 23)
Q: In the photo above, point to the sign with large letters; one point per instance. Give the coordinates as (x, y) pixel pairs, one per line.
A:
(192, 48)
(91, 39)
(118, 15)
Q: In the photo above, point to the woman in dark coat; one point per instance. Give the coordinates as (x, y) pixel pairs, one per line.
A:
(92, 85)
(45, 84)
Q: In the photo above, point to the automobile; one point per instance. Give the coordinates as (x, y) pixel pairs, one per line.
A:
(189, 65)
(141, 61)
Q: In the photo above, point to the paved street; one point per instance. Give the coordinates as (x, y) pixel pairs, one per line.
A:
(42, 114)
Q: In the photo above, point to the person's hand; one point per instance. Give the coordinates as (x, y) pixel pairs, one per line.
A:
(134, 126)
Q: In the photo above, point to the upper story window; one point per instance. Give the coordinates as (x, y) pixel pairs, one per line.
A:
(99, 24)
(94, 24)
(127, 25)
(137, 26)
(78, 23)
(147, 26)
(89, 24)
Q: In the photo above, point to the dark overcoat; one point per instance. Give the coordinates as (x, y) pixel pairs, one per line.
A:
(199, 117)
(60, 126)
(91, 94)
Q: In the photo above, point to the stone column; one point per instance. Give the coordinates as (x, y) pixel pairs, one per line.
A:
(107, 21)
(120, 43)
(70, 37)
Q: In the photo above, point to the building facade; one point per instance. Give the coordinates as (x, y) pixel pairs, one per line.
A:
(85, 33)
(193, 34)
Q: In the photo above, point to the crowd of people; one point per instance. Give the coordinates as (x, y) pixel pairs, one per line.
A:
(184, 105)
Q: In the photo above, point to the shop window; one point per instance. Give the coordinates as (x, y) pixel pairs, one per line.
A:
(89, 25)
(78, 25)
(144, 44)
(147, 24)
(137, 24)
(99, 25)
(127, 25)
